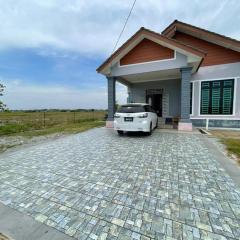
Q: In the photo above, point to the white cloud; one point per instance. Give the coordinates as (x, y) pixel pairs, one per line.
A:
(92, 26)
(75, 25)
(19, 95)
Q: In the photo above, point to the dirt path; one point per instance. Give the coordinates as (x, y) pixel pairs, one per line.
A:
(13, 142)
(3, 237)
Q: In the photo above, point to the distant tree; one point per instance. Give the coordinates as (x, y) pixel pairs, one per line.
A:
(116, 105)
(2, 105)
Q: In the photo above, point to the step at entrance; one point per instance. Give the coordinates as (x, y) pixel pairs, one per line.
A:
(162, 124)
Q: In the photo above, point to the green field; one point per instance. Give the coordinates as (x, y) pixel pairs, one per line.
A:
(41, 123)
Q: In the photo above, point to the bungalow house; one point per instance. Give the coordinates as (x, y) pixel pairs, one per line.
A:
(185, 73)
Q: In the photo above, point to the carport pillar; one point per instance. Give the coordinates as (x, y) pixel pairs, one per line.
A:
(185, 123)
(111, 101)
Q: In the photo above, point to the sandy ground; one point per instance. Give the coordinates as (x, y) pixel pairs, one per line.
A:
(9, 142)
(3, 237)
(226, 133)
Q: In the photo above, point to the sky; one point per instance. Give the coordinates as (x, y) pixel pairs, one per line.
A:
(50, 49)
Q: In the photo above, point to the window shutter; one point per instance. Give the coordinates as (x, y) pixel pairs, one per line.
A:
(227, 96)
(216, 97)
(205, 97)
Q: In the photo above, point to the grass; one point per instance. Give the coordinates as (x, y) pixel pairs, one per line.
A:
(19, 128)
(231, 139)
(233, 146)
(13, 128)
(64, 128)
(49, 117)
(226, 134)
(27, 132)
(31, 131)
(42, 123)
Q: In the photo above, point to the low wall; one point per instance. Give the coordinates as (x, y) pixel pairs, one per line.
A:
(216, 123)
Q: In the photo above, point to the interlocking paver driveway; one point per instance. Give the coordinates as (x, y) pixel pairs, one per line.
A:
(96, 185)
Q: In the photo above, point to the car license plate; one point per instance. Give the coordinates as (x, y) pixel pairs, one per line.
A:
(128, 119)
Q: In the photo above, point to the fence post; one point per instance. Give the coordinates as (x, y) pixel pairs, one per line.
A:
(93, 114)
(44, 119)
(74, 117)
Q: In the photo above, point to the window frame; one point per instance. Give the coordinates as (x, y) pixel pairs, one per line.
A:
(235, 81)
(191, 98)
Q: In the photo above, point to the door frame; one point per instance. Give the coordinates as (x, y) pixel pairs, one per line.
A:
(152, 92)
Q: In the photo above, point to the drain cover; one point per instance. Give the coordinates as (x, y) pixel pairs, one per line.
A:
(3, 237)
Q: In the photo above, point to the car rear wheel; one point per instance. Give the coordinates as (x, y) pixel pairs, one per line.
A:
(120, 132)
(150, 129)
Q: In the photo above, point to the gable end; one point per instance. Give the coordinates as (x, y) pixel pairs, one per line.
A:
(147, 51)
(215, 54)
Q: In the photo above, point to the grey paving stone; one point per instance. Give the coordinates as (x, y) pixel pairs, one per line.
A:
(97, 185)
(20, 226)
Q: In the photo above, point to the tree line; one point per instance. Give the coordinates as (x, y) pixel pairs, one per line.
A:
(3, 107)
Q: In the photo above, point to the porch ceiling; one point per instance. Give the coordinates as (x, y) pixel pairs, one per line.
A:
(151, 76)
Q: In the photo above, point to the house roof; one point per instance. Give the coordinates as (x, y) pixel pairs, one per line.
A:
(201, 33)
(155, 35)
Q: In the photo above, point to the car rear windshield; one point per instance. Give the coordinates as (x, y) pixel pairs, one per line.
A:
(131, 109)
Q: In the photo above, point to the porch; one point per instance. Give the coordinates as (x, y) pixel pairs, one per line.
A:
(170, 98)
(164, 96)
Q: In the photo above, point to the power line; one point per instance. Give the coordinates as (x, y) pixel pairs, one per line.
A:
(124, 26)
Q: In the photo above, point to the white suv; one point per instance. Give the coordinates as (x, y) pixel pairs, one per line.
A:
(135, 117)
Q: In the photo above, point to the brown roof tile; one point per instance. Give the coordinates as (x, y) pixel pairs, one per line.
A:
(176, 23)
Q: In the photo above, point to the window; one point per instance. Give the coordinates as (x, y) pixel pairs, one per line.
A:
(147, 108)
(217, 97)
(191, 93)
(131, 108)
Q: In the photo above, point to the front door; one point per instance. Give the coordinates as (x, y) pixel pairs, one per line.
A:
(155, 100)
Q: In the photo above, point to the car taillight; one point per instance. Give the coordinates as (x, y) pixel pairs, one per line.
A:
(144, 115)
(116, 116)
